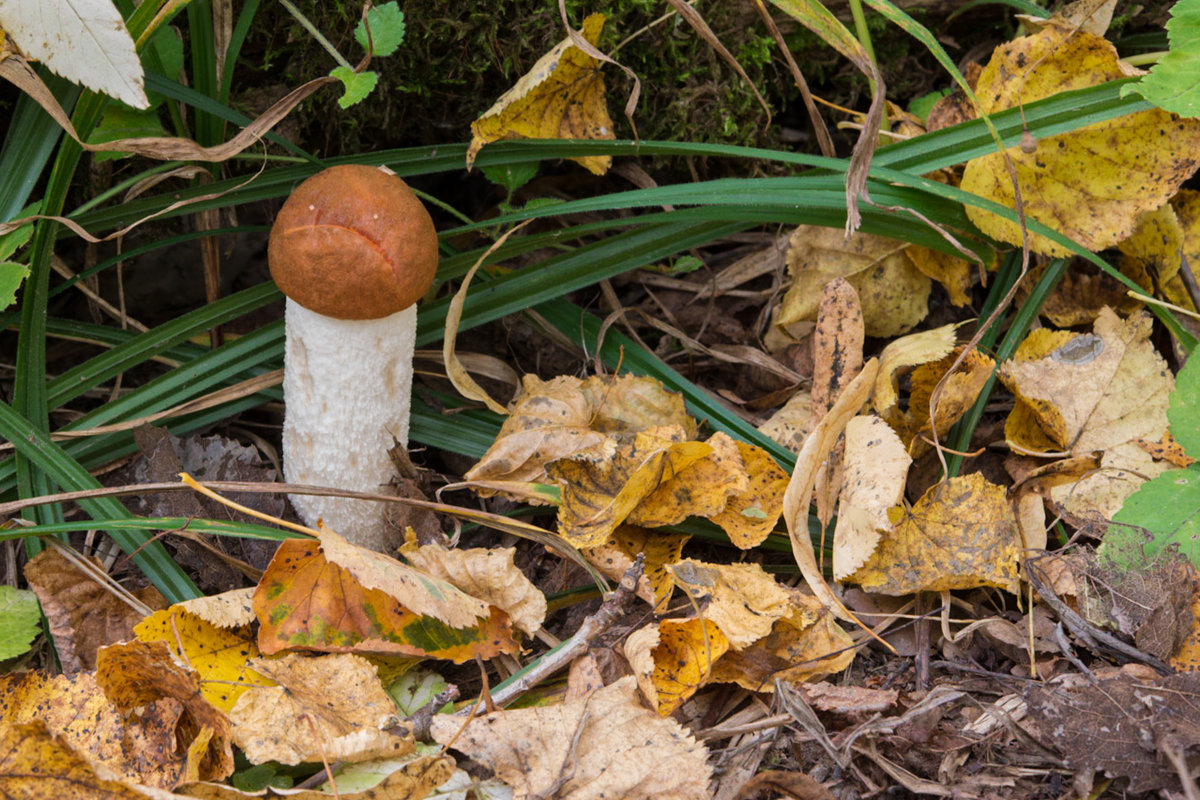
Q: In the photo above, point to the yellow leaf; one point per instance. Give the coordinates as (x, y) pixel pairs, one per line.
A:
(1089, 184)
(301, 720)
(220, 656)
(1153, 256)
(562, 97)
(564, 416)
(601, 489)
(673, 660)
(893, 293)
(907, 351)
(488, 574)
(960, 535)
(700, 489)
(805, 645)
(750, 515)
(660, 550)
(741, 599)
(957, 396)
(951, 272)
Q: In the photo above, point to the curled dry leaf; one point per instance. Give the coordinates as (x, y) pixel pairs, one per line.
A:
(876, 470)
(566, 415)
(894, 294)
(673, 659)
(742, 599)
(806, 644)
(488, 574)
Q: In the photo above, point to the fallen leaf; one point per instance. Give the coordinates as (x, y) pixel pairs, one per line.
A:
(83, 614)
(900, 354)
(1120, 726)
(488, 574)
(742, 599)
(673, 659)
(306, 601)
(1080, 393)
(1152, 256)
(75, 712)
(134, 675)
(1090, 184)
(39, 764)
(960, 535)
(565, 416)
(561, 97)
(220, 656)
(893, 293)
(876, 469)
(296, 718)
(601, 489)
(806, 644)
(959, 393)
(606, 744)
(661, 549)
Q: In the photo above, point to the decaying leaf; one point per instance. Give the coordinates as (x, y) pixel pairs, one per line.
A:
(561, 97)
(296, 718)
(1153, 256)
(894, 294)
(961, 534)
(915, 425)
(73, 711)
(673, 659)
(1081, 393)
(566, 415)
(605, 744)
(305, 601)
(876, 469)
(742, 599)
(902, 354)
(83, 614)
(220, 656)
(659, 548)
(1089, 184)
(485, 573)
(805, 645)
(135, 675)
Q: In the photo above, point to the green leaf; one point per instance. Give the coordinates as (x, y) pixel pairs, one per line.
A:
(1168, 506)
(122, 122)
(1174, 82)
(921, 106)
(511, 176)
(357, 84)
(20, 621)
(12, 275)
(15, 240)
(387, 29)
(1184, 410)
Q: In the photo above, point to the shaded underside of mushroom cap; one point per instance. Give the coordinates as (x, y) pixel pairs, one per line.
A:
(353, 242)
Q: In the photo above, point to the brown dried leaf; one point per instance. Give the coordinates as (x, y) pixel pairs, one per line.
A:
(607, 744)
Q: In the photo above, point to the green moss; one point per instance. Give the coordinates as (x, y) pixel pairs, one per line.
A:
(458, 58)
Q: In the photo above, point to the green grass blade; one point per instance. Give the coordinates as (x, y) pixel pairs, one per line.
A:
(150, 556)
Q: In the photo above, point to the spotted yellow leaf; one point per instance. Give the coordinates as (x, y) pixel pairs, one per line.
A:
(562, 97)
(1088, 184)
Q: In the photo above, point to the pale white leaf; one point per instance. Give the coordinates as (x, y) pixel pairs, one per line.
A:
(84, 41)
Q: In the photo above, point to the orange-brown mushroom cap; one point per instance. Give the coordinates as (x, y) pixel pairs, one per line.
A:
(353, 242)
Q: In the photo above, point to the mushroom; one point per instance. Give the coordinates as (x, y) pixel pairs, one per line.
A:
(353, 249)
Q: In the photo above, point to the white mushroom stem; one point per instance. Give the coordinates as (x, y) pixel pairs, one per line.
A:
(347, 386)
